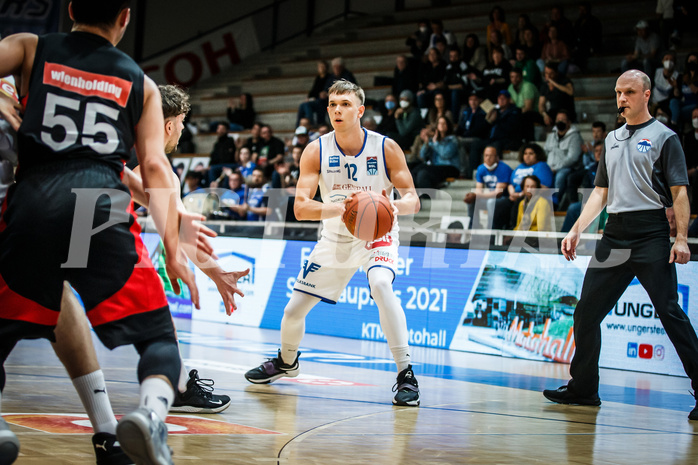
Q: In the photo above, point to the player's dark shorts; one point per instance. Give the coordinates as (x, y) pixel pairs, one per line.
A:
(121, 291)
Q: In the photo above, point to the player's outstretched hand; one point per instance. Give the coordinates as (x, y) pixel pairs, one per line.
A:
(9, 109)
(194, 237)
(227, 284)
(177, 266)
(569, 245)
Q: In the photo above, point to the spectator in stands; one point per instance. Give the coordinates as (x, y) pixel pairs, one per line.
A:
(563, 149)
(505, 120)
(535, 212)
(440, 155)
(254, 142)
(193, 181)
(584, 175)
(460, 80)
(645, 56)
(666, 79)
(294, 167)
(495, 76)
(564, 26)
(186, 140)
(532, 161)
(588, 34)
(495, 40)
(556, 93)
(431, 78)
(405, 75)
(474, 131)
(387, 124)
(554, 51)
(690, 148)
(686, 93)
(241, 112)
(315, 106)
(272, 148)
(340, 72)
(529, 68)
(492, 178)
(474, 54)
(418, 41)
(245, 162)
(233, 199)
(300, 137)
(498, 23)
(523, 23)
(407, 119)
(525, 97)
(369, 123)
(257, 200)
(223, 153)
(531, 43)
(439, 33)
(438, 109)
(665, 13)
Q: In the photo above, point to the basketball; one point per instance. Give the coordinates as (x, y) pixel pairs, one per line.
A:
(368, 216)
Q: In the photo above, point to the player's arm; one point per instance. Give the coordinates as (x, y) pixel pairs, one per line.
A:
(680, 253)
(16, 58)
(401, 178)
(159, 186)
(305, 207)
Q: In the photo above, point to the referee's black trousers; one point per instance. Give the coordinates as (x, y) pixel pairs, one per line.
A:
(634, 244)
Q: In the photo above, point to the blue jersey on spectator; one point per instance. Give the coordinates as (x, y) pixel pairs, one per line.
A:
(501, 173)
(246, 170)
(231, 197)
(257, 197)
(540, 169)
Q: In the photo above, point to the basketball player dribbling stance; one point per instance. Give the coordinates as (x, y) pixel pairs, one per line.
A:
(345, 161)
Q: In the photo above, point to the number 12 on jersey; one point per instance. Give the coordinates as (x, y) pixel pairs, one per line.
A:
(351, 171)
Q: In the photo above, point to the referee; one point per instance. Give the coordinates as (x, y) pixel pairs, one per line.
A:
(642, 172)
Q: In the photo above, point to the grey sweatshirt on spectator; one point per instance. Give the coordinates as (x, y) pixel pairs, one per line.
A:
(563, 152)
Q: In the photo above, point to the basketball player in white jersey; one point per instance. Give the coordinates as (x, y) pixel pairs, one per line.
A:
(348, 160)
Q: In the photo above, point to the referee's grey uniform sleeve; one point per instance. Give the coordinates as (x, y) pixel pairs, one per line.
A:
(601, 179)
(673, 162)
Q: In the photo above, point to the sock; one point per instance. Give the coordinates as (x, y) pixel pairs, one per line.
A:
(289, 352)
(401, 357)
(156, 395)
(183, 378)
(93, 393)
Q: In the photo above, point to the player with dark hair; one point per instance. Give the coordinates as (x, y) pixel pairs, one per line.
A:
(85, 105)
(349, 159)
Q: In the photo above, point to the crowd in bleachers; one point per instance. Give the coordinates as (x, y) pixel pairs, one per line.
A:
(449, 101)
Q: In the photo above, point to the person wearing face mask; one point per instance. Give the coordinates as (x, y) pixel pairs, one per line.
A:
(686, 92)
(418, 41)
(690, 148)
(665, 81)
(563, 147)
(492, 178)
(407, 120)
(387, 110)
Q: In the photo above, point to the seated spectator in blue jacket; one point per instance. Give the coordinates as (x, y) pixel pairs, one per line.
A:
(256, 200)
(233, 199)
(440, 155)
(492, 178)
(505, 118)
(474, 131)
(533, 162)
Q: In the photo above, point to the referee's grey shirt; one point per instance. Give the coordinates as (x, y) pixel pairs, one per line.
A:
(639, 166)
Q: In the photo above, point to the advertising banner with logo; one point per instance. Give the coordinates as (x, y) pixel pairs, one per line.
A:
(204, 57)
(491, 302)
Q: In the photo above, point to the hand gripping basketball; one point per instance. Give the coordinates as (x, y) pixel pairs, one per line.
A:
(368, 215)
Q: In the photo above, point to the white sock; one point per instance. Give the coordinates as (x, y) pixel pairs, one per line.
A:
(157, 395)
(183, 378)
(93, 393)
(293, 324)
(401, 356)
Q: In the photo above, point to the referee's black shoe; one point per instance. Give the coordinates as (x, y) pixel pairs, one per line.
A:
(694, 413)
(563, 395)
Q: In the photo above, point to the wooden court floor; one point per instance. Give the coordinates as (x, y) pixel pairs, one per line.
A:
(475, 409)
